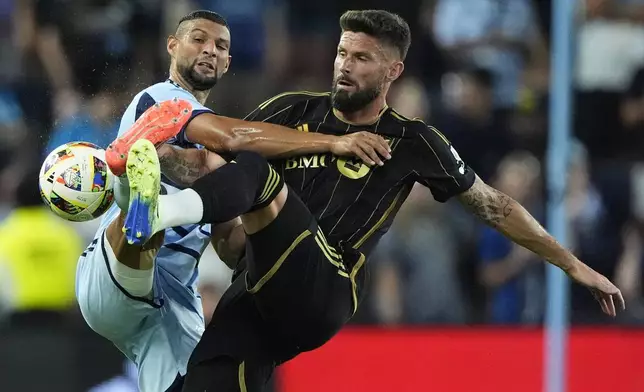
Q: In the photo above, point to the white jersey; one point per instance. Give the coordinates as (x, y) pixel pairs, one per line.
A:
(159, 333)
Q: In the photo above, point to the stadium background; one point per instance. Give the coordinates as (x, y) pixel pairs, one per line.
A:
(453, 306)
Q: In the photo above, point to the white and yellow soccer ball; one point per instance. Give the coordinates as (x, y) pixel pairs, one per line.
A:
(76, 183)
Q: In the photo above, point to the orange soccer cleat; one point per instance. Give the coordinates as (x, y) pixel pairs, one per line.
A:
(164, 120)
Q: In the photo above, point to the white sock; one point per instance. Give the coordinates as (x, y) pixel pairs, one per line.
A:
(122, 192)
(178, 209)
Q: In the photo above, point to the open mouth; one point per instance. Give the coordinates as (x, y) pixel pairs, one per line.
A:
(206, 65)
(345, 83)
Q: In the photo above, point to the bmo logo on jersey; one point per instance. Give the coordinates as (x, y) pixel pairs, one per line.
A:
(350, 168)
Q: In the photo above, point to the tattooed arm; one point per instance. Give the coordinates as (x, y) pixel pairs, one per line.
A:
(185, 166)
(510, 218)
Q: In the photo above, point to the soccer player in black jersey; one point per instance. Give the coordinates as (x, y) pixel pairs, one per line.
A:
(312, 221)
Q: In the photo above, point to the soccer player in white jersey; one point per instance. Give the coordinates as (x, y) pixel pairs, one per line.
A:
(143, 297)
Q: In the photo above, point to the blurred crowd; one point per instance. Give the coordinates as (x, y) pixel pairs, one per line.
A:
(478, 70)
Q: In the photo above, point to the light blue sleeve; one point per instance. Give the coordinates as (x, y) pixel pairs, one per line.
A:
(158, 93)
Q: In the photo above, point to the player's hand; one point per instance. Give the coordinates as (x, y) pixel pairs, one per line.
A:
(607, 294)
(372, 149)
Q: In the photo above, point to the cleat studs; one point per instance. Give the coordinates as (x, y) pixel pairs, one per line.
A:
(122, 156)
(139, 234)
(185, 111)
(124, 229)
(131, 242)
(174, 120)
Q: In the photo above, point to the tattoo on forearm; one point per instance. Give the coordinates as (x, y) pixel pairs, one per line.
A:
(179, 169)
(488, 203)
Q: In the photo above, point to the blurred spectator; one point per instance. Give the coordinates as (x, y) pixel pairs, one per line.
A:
(585, 207)
(256, 64)
(609, 31)
(631, 141)
(96, 123)
(500, 36)
(416, 269)
(629, 274)
(13, 133)
(38, 254)
(469, 121)
(509, 272)
(410, 98)
(46, 74)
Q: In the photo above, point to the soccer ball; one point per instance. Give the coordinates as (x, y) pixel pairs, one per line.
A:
(76, 183)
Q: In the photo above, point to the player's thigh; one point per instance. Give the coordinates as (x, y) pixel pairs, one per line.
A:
(303, 286)
(236, 330)
(268, 249)
(226, 374)
(106, 306)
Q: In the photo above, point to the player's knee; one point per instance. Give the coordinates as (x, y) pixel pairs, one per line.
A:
(270, 182)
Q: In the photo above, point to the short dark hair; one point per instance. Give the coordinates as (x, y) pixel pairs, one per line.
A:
(383, 25)
(204, 14)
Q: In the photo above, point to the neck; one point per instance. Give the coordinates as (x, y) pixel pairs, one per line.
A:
(201, 96)
(365, 116)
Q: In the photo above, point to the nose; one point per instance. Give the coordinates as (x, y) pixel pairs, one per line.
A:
(345, 66)
(209, 48)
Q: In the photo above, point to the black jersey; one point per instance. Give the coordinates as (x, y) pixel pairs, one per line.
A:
(355, 203)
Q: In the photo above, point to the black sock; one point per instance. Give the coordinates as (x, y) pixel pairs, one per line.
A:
(246, 184)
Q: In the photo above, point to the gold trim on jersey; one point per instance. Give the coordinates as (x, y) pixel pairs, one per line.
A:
(269, 188)
(354, 285)
(241, 375)
(330, 253)
(440, 134)
(265, 104)
(303, 128)
(400, 117)
(382, 220)
(418, 119)
(278, 263)
(339, 116)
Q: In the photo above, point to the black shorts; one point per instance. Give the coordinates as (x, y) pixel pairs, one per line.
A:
(295, 293)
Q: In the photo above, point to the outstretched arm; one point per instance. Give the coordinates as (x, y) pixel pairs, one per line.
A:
(229, 135)
(510, 218)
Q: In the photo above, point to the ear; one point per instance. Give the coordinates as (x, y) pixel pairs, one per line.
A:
(395, 70)
(172, 45)
(230, 58)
